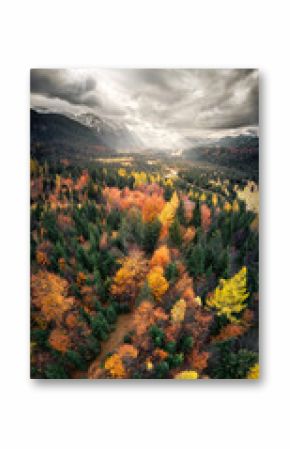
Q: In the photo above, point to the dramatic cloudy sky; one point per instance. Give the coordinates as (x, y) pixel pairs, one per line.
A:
(165, 108)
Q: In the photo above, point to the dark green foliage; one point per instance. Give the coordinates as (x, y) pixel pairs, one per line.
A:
(175, 360)
(181, 213)
(161, 370)
(170, 347)
(196, 261)
(231, 364)
(157, 336)
(128, 338)
(55, 371)
(186, 343)
(50, 227)
(75, 359)
(171, 272)
(111, 314)
(40, 336)
(151, 235)
(100, 326)
(114, 219)
(175, 235)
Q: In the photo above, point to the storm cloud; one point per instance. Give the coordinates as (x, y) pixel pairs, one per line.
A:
(59, 84)
(164, 107)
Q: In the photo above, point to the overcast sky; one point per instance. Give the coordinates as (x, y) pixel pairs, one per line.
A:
(166, 108)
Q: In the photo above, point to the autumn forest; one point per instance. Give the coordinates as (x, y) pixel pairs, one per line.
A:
(144, 264)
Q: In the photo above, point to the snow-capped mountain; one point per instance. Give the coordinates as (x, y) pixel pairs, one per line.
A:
(114, 134)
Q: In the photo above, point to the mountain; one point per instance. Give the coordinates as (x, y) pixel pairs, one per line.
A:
(57, 136)
(240, 152)
(113, 134)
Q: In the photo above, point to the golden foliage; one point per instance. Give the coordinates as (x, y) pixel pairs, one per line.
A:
(187, 375)
(230, 296)
(48, 294)
(254, 372)
(115, 366)
(157, 282)
(140, 178)
(168, 212)
(122, 172)
(197, 299)
(227, 207)
(178, 311)
(160, 257)
(214, 199)
(129, 278)
(149, 364)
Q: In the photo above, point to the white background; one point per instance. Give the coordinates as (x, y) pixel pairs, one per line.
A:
(74, 414)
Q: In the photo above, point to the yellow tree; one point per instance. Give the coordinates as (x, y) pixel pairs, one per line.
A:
(214, 199)
(178, 311)
(227, 206)
(140, 178)
(230, 296)
(254, 372)
(157, 282)
(167, 214)
(129, 278)
(187, 375)
(115, 366)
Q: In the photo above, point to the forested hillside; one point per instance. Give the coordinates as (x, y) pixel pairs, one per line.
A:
(55, 136)
(241, 153)
(142, 272)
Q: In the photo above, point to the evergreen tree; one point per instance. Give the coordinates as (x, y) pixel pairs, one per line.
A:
(151, 235)
(175, 235)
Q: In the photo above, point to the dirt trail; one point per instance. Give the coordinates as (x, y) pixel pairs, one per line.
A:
(123, 326)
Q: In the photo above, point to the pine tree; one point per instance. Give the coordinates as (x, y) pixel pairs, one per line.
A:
(151, 235)
(175, 233)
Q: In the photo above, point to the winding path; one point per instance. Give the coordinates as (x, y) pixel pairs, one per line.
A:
(123, 326)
